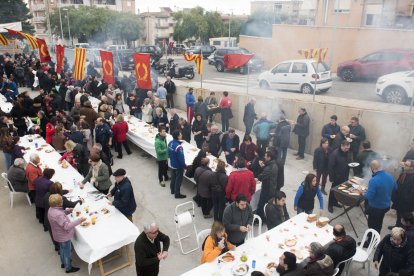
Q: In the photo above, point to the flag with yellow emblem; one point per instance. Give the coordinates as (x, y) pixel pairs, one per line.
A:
(44, 55)
(107, 66)
(79, 65)
(143, 70)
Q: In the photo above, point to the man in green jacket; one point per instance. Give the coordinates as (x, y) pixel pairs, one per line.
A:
(162, 155)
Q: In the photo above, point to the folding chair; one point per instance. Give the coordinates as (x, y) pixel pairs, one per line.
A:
(362, 255)
(335, 272)
(183, 216)
(12, 192)
(250, 234)
(264, 210)
(347, 266)
(201, 236)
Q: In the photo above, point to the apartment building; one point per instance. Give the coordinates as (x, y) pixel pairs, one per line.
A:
(159, 27)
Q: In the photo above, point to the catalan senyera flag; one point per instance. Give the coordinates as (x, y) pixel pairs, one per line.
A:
(107, 66)
(44, 55)
(143, 70)
(233, 61)
(198, 59)
(60, 55)
(32, 40)
(79, 64)
(316, 53)
(3, 40)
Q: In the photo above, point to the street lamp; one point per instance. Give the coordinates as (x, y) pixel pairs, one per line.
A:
(67, 15)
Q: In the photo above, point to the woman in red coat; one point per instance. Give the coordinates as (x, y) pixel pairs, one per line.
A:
(120, 130)
(50, 130)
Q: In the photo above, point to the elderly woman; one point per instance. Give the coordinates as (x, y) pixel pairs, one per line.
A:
(68, 155)
(62, 230)
(118, 103)
(394, 253)
(318, 263)
(17, 176)
(147, 111)
(216, 243)
(160, 119)
(120, 130)
(42, 185)
(98, 174)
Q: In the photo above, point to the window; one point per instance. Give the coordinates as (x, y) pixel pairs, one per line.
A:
(392, 56)
(282, 68)
(372, 57)
(216, 43)
(342, 6)
(322, 66)
(299, 67)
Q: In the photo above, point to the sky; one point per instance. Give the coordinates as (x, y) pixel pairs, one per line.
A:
(224, 6)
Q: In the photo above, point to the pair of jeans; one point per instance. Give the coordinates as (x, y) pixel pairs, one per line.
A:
(282, 153)
(302, 145)
(321, 175)
(7, 160)
(376, 217)
(138, 115)
(119, 148)
(65, 251)
(261, 146)
(162, 170)
(176, 180)
(219, 203)
(225, 124)
(249, 126)
(170, 100)
(300, 210)
(332, 200)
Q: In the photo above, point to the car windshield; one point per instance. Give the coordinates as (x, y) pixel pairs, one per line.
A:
(322, 66)
(244, 51)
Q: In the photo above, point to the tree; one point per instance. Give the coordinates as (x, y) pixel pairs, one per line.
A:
(16, 11)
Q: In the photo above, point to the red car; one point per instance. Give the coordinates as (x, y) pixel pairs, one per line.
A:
(377, 64)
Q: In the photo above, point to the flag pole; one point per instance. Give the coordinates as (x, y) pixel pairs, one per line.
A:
(201, 65)
(316, 77)
(247, 79)
(411, 105)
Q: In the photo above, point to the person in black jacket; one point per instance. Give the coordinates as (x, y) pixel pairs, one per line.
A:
(276, 211)
(218, 190)
(124, 199)
(301, 129)
(160, 119)
(249, 115)
(174, 118)
(341, 248)
(394, 253)
(268, 177)
(281, 143)
(320, 163)
(199, 130)
(148, 251)
(185, 129)
(200, 107)
(410, 153)
(338, 171)
(169, 85)
(214, 139)
(365, 157)
(230, 145)
(357, 134)
(330, 130)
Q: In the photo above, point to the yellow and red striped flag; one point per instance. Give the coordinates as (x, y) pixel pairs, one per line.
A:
(3, 40)
(32, 40)
(316, 53)
(198, 59)
(79, 66)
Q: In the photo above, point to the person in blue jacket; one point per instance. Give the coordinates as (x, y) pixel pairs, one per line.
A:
(177, 163)
(305, 196)
(190, 102)
(124, 199)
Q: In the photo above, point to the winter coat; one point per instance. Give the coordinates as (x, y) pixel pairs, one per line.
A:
(241, 181)
(189, 99)
(42, 185)
(62, 228)
(283, 130)
(199, 126)
(161, 148)
(394, 258)
(32, 173)
(90, 116)
(380, 189)
(50, 130)
(102, 180)
(147, 113)
(403, 196)
(338, 166)
(186, 132)
(120, 130)
(233, 218)
(124, 199)
(236, 143)
(203, 177)
(248, 151)
(359, 132)
(174, 123)
(18, 179)
(160, 121)
(211, 250)
(320, 160)
(305, 198)
(219, 183)
(102, 134)
(262, 129)
(214, 143)
(275, 214)
(249, 114)
(176, 155)
(320, 267)
(268, 177)
(302, 125)
(329, 130)
(170, 86)
(341, 250)
(201, 108)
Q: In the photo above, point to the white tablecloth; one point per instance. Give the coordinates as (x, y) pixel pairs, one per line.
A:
(111, 231)
(5, 106)
(265, 248)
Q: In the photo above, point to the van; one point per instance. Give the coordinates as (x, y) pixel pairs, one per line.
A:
(116, 47)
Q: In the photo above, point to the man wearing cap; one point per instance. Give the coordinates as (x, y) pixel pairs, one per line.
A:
(123, 194)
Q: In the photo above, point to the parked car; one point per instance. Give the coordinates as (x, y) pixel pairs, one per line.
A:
(154, 51)
(396, 87)
(297, 75)
(116, 47)
(180, 48)
(255, 63)
(377, 64)
(82, 45)
(211, 58)
(207, 50)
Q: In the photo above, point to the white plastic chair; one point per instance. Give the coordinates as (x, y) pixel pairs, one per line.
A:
(362, 255)
(201, 236)
(264, 210)
(347, 266)
(12, 191)
(183, 216)
(250, 234)
(335, 272)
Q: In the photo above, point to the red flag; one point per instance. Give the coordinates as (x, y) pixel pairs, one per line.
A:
(60, 55)
(43, 51)
(232, 61)
(107, 66)
(13, 32)
(143, 70)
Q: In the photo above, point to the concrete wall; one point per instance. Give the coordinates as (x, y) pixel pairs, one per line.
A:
(389, 131)
(343, 43)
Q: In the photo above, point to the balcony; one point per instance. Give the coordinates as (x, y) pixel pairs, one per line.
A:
(162, 25)
(38, 7)
(39, 19)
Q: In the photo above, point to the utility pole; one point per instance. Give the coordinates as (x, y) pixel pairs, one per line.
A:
(60, 19)
(70, 37)
(46, 3)
(230, 17)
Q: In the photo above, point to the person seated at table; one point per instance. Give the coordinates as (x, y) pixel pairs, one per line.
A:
(62, 230)
(174, 124)
(230, 145)
(160, 119)
(18, 151)
(185, 129)
(59, 139)
(98, 174)
(305, 196)
(248, 148)
(123, 193)
(287, 265)
(17, 176)
(241, 181)
(238, 218)
(33, 171)
(42, 184)
(199, 129)
(203, 177)
(394, 253)
(341, 248)
(318, 263)
(216, 243)
(68, 155)
(276, 211)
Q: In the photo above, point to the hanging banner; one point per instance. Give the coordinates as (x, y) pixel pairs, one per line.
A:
(32, 40)
(317, 53)
(44, 55)
(79, 65)
(198, 59)
(60, 55)
(107, 66)
(143, 70)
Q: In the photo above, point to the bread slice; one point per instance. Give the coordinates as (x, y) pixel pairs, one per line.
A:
(312, 218)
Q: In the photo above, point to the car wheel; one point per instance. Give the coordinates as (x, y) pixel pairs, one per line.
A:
(348, 75)
(306, 89)
(324, 90)
(264, 84)
(395, 95)
(220, 67)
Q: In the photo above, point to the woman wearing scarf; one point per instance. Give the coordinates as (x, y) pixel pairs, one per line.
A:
(98, 174)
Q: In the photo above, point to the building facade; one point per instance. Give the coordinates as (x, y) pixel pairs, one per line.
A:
(159, 27)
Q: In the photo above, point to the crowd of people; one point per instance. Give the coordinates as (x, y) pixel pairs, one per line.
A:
(86, 138)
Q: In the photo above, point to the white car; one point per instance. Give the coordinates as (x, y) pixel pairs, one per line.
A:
(297, 75)
(396, 87)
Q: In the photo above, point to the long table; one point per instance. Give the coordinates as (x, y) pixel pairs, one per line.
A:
(111, 231)
(269, 246)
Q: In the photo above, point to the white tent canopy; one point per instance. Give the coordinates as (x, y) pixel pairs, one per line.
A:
(16, 26)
